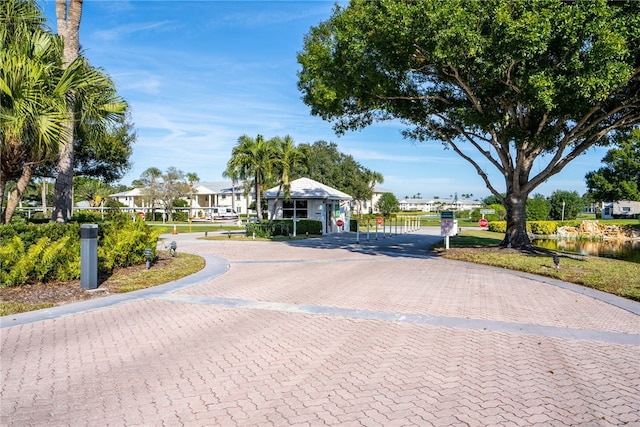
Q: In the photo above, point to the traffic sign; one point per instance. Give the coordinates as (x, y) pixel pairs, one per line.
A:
(487, 211)
(339, 223)
(447, 215)
(379, 220)
(483, 223)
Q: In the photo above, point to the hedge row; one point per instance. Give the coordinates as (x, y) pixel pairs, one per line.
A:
(541, 228)
(49, 252)
(284, 227)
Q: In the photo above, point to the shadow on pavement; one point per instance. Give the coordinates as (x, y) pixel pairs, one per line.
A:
(414, 244)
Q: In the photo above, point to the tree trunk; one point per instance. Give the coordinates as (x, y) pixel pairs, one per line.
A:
(258, 201)
(68, 28)
(516, 235)
(275, 204)
(63, 201)
(44, 197)
(16, 195)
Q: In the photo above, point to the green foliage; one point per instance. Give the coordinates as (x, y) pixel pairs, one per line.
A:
(497, 226)
(52, 251)
(327, 165)
(88, 217)
(309, 226)
(123, 243)
(538, 208)
(572, 202)
(499, 215)
(538, 82)
(542, 227)
(284, 227)
(619, 179)
(387, 204)
(43, 260)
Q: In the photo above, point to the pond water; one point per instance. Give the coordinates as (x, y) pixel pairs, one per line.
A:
(626, 250)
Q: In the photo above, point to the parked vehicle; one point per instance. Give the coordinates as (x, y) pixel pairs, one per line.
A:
(223, 213)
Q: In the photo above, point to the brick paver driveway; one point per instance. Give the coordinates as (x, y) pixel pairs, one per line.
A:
(326, 332)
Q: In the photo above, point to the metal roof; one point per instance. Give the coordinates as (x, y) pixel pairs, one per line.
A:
(306, 188)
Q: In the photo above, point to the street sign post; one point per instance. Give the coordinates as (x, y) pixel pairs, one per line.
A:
(448, 226)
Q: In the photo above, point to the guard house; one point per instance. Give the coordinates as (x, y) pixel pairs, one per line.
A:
(311, 200)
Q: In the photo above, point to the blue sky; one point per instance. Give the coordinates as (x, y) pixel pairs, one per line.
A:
(199, 74)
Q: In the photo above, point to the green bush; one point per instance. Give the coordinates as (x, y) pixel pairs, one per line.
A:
(180, 216)
(497, 226)
(52, 251)
(543, 228)
(284, 227)
(309, 226)
(122, 243)
(43, 260)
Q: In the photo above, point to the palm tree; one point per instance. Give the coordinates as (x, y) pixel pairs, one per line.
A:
(32, 103)
(374, 178)
(92, 104)
(234, 175)
(96, 107)
(150, 180)
(191, 178)
(253, 160)
(68, 22)
(288, 158)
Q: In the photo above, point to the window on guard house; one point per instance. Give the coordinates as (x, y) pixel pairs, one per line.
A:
(301, 208)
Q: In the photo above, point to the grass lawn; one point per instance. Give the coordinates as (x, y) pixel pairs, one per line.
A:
(620, 278)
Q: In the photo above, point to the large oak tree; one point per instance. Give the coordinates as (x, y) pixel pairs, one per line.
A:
(508, 82)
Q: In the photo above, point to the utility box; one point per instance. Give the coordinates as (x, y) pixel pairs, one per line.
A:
(89, 256)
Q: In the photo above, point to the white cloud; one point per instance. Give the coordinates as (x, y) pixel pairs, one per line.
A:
(124, 31)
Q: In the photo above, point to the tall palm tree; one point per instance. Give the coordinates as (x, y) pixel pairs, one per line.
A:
(92, 104)
(253, 159)
(96, 107)
(288, 158)
(191, 178)
(68, 23)
(32, 102)
(374, 178)
(150, 180)
(234, 175)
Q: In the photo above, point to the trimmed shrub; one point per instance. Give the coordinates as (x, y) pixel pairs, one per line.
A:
(543, 228)
(498, 226)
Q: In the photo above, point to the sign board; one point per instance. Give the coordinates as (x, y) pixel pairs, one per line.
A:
(447, 215)
(448, 227)
(339, 223)
(487, 211)
(379, 220)
(483, 223)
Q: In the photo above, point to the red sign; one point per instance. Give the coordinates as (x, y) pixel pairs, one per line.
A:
(339, 223)
(379, 220)
(483, 223)
(141, 215)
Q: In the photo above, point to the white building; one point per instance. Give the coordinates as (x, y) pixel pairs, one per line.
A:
(438, 205)
(310, 199)
(207, 195)
(621, 209)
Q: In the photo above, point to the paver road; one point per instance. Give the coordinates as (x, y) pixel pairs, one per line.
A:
(328, 332)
